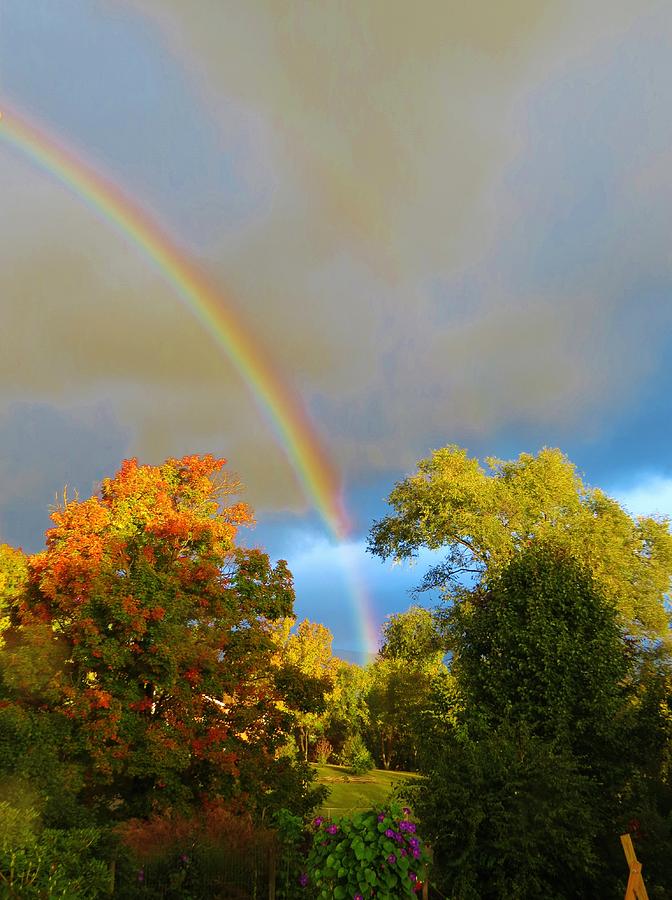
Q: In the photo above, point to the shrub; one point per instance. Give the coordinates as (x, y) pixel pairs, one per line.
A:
(214, 853)
(356, 756)
(323, 751)
(511, 815)
(53, 862)
(376, 851)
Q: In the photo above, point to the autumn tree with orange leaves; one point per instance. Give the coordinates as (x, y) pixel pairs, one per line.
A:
(138, 645)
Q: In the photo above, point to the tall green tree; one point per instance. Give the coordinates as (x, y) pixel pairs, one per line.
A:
(402, 678)
(483, 516)
(309, 670)
(548, 682)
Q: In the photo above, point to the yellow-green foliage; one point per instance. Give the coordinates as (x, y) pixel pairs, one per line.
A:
(13, 576)
(482, 516)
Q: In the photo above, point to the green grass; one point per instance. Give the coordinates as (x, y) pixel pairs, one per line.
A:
(348, 793)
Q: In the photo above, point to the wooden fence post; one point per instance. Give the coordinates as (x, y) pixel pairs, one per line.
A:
(272, 868)
(636, 889)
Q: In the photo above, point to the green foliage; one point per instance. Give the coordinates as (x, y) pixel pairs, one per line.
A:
(542, 646)
(483, 517)
(356, 756)
(413, 636)
(398, 695)
(375, 851)
(511, 815)
(554, 741)
(306, 675)
(40, 766)
(292, 850)
(38, 863)
(347, 710)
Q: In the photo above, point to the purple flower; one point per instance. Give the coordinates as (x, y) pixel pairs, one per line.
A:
(412, 876)
(416, 853)
(184, 858)
(141, 875)
(303, 879)
(389, 833)
(403, 852)
(381, 817)
(391, 859)
(407, 811)
(399, 838)
(414, 842)
(332, 829)
(318, 821)
(358, 897)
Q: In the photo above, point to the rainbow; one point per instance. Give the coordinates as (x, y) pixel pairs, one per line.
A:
(279, 404)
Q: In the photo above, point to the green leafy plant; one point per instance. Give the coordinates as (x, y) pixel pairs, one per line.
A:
(51, 862)
(377, 853)
(293, 842)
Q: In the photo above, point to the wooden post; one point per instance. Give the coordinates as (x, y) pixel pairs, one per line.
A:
(271, 873)
(636, 889)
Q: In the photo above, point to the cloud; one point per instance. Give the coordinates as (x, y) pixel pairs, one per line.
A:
(321, 569)
(649, 495)
(452, 228)
(44, 449)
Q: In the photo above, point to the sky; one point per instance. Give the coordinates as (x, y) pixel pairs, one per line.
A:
(442, 222)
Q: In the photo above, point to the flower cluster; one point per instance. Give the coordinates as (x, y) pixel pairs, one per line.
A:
(375, 854)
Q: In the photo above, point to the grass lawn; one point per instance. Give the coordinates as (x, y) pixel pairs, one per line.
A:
(354, 792)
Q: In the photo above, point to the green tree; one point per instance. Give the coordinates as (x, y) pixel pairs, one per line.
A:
(308, 670)
(546, 748)
(414, 637)
(347, 712)
(402, 678)
(482, 517)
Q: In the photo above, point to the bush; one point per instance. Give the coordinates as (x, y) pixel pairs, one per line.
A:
(374, 851)
(51, 862)
(356, 756)
(217, 852)
(511, 815)
(323, 751)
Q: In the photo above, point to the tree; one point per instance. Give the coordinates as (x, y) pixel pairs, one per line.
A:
(483, 517)
(543, 646)
(413, 637)
(142, 638)
(402, 678)
(347, 711)
(309, 672)
(548, 682)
